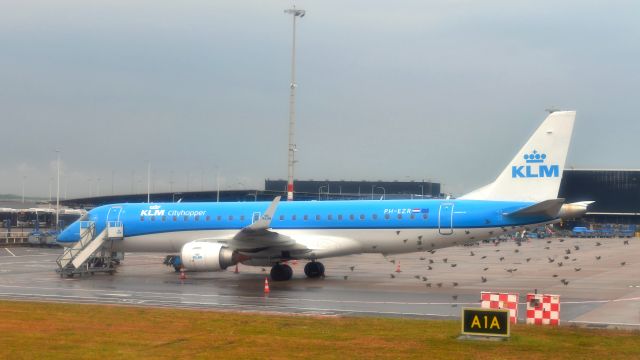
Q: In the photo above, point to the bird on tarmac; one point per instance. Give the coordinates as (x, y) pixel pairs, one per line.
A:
(484, 257)
(263, 269)
(430, 261)
(455, 283)
(472, 253)
(429, 268)
(422, 258)
(566, 257)
(485, 269)
(417, 276)
(626, 242)
(565, 282)
(547, 248)
(497, 250)
(501, 258)
(577, 269)
(352, 267)
(392, 261)
(598, 243)
(568, 251)
(484, 279)
(454, 265)
(528, 259)
(428, 284)
(574, 259)
(551, 260)
(444, 260)
(576, 247)
(561, 240)
(548, 241)
(623, 263)
(516, 250)
(346, 277)
(424, 278)
(455, 297)
(439, 284)
(392, 276)
(560, 263)
(598, 257)
(555, 275)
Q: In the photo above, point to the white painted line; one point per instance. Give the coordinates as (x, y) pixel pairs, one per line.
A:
(9, 251)
(123, 295)
(602, 323)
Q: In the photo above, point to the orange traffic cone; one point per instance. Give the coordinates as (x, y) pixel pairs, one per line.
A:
(236, 270)
(182, 275)
(398, 267)
(266, 285)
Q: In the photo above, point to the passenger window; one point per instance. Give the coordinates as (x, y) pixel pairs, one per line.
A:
(208, 218)
(387, 216)
(219, 218)
(306, 217)
(329, 217)
(351, 217)
(340, 217)
(399, 216)
(374, 216)
(318, 217)
(230, 217)
(175, 218)
(197, 217)
(281, 217)
(412, 216)
(186, 218)
(361, 216)
(141, 218)
(293, 217)
(153, 218)
(164, 218)
(241, 217)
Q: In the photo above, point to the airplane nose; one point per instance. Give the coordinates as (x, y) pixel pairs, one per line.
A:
(70, 235)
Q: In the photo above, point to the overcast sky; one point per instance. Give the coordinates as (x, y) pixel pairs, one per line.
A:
(387, 90)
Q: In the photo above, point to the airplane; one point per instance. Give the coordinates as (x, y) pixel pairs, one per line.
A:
(215, 236)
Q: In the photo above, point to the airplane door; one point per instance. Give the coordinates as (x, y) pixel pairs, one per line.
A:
(255, 217)
(445, 219)
(114, 213)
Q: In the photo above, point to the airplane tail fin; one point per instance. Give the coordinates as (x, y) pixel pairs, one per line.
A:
(535, 172)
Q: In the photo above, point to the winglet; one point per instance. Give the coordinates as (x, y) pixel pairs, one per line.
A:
(265, 220)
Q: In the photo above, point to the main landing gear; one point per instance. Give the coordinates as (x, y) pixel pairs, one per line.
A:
(314, 269)
(283, 272)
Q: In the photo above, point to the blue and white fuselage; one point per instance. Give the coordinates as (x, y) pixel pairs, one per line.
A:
(213, 236)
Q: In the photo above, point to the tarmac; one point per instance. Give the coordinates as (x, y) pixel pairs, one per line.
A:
(599, 292)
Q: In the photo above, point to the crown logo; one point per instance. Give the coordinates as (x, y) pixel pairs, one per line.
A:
(534, 157)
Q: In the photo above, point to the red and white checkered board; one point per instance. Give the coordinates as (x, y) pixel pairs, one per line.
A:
(493, 300)
(547, 311)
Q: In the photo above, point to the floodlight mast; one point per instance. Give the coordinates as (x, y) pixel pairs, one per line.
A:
(292, 102)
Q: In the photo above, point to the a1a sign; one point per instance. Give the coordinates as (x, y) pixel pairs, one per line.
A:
(485, 322)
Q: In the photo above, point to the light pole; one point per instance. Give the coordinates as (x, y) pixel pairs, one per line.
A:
(148, 181)
(292, 102)
(58, 191)
(320, 190)
(24, 178)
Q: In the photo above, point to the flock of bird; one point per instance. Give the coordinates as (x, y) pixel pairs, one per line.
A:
(570, 256)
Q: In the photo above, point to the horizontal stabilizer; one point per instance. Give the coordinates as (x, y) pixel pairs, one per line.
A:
(549, 208)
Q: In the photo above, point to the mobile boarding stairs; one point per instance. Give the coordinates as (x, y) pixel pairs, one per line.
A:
(94, 252)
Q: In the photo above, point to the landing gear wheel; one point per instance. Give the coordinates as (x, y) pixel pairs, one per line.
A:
(314, 270)
(281, 272)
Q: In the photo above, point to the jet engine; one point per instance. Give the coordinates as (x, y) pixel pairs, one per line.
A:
(207, 256)
(574, 210)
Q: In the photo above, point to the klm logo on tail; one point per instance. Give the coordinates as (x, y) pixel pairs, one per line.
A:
(535, 167)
